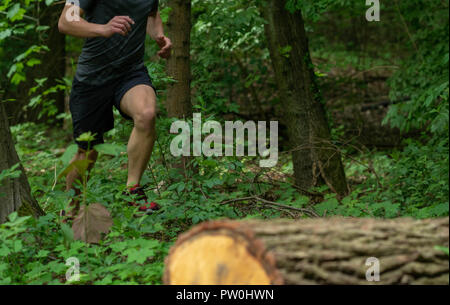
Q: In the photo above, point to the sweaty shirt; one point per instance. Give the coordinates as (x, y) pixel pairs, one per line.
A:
(105, 59)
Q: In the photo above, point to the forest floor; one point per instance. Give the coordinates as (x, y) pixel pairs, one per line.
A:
(135, 249)
(236, 188)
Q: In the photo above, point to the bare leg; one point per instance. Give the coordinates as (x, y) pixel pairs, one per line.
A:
(140, 104)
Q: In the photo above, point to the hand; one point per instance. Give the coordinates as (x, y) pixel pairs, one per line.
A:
(165, 44)
(118, 25)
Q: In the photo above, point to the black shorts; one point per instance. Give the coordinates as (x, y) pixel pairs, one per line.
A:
(92, 106)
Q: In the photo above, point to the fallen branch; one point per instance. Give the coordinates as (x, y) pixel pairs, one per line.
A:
(309, 212)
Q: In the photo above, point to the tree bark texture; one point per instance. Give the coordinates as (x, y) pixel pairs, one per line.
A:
(311, 251)
(14, 193)
(178, 66)
(315, 159)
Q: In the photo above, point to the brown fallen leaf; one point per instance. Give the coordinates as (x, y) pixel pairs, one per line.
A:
(91, 222)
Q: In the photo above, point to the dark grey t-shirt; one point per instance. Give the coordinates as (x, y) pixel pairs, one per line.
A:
(105, 59)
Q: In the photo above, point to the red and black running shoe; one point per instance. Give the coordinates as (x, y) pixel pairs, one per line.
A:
(140, 200)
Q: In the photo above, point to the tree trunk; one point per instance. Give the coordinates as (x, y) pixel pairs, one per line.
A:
(311, 251)
(14, 193)
(315, 159)
(53, 66)
(178, 66)
(178, 102)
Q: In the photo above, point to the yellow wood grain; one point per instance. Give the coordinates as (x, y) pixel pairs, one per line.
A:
(215, 260)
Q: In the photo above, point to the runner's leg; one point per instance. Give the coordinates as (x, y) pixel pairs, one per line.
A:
(140, 104)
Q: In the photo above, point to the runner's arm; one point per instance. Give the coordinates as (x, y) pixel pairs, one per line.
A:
(156, 31)
(71, 23)
(155, 25)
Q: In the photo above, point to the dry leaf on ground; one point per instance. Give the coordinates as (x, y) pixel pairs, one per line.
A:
(91, 222)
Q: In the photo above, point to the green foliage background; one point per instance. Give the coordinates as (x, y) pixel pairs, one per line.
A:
(230, 63)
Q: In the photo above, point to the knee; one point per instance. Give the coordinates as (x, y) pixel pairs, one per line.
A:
(145, 120)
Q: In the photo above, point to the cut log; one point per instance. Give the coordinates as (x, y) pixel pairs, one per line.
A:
(311, 251)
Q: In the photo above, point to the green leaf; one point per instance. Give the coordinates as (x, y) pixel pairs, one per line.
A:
(139, 256)
(42, 253)
(328, 207)
(4, 251)
(13, 216)
(13, 11)
(67, 232)
(80, 165)
(443, 249)
(33, 62)
(69, 154)
(17, 245)
(111, 149)
(5, 33)
(86, 137)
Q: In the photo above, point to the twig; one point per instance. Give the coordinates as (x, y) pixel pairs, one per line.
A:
(309, 212)
(25, 17)
(54, 185)
(285, 211)
(276, 182)
(369, 167)
(238, 200)
(154, 178)
(357, 74)
(201, 190)
(305, 211)
(408, 32)
(163, 156)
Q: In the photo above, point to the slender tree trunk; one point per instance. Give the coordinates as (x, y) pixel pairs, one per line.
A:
(315, 159)
(178, 66)
(14, 193)
(52, 66)
(178, 102)
(311, 251)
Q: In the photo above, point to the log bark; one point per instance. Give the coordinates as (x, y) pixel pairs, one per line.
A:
(316, 161)
(15, 194)
(311, 251)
